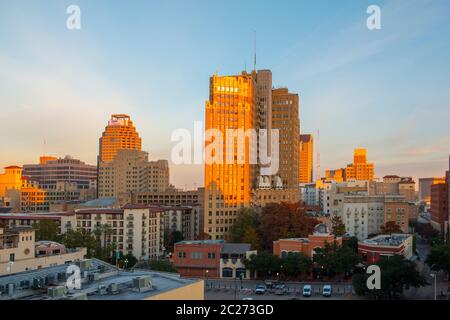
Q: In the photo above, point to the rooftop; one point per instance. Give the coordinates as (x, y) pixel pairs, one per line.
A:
(393, 240)
(32, 285)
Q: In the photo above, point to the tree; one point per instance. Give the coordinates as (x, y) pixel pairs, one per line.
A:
(295, 264)
(170, 238)
(263, 263)
(47, 230)
(352, 243)
(78, 239)
(285, 220)
(162, 265)
(427, 232)
(245, 228)
(128, 261)
(439, 258)
(333, 259)
(390, 227)
(397, 274)
(337, 226)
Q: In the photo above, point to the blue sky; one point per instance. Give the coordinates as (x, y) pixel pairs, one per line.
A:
(386, 90)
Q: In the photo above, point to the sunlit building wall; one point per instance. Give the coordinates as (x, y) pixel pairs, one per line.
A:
(306, 158)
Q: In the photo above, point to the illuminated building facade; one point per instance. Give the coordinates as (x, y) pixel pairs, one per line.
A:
(11, 179)
(231, 105)
(306, 158)
(360, 169)
(119, 134)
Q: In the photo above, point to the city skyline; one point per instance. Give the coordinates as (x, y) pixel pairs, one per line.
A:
(66, 80)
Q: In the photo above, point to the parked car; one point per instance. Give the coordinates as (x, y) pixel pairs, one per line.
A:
(260, 289)
(247, 298)
(326, 291)
(280, 289)
(307, 290)
(268, 283)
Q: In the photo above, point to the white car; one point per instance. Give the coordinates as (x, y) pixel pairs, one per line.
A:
(326, 291)
(307, 290)
(260, 289)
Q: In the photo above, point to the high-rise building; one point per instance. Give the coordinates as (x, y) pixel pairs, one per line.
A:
(285, 118)
(337, 175)
(52, 170)
(360, 169)
(119, 134)
(231, 105)
(306, 156)
(131, 172)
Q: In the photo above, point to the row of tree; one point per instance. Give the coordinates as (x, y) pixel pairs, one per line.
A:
(332, 260)
(285, 220)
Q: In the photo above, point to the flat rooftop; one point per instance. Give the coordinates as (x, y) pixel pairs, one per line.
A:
(161, 282)
(393, 240)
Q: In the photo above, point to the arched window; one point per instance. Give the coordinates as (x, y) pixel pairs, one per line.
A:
(240, 271)
(284, 254)
(227, 273)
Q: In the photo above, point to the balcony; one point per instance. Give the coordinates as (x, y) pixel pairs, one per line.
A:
(130, 233)
(130, 225)
(130, 218)
(129, 240)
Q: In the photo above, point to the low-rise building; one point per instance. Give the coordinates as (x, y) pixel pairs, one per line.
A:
(385, 246)
(212, 259)
(20, 252)
(307, 246)
(263, 197)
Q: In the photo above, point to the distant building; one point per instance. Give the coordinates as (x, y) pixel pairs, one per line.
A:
(385, 246)
(11, 179)
(263, 197)
(20, 252)
(439, 207)
(425, 188)
(52, 171)
(306, 159)
(337, 175)
(307, 246)
(360, 169)
(309, 194)
(211, 259)
(130, 172)
(119, 134)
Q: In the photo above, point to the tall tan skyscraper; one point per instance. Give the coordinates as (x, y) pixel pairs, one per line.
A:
(119, 134)
(360, 169)
(306, 155)
(231, 105)
(285, 118)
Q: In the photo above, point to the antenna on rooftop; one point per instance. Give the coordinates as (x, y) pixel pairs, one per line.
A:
(318, 155)
(254, 50)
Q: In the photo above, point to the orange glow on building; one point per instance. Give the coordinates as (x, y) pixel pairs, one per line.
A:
(360, 169)
(43, 159)
(119, 134)
(228, 187)
(306, 155)
(10, 179)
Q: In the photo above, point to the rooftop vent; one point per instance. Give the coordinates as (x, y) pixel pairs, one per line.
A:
(142, 284)
(56, 292)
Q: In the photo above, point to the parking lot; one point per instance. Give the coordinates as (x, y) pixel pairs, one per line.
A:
(234, 290)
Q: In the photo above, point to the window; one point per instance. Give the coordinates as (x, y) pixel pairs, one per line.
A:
(12, 257)
(181, 254)
(196, 255)
(211, 255)
(227, 273)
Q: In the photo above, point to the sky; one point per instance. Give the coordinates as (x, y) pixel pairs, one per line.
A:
(386, 90)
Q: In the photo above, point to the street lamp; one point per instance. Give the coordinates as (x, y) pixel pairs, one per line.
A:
(433, 275)
(206, 280)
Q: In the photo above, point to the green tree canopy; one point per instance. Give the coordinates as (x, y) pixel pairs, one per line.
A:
(47, 230)
(295, 263)
(264, 263)
(397, 274)
(337, 226)
(439, 258)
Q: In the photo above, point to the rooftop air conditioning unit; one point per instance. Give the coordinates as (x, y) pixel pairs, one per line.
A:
(102, 289)
(85, 264)
(56, 292)
(142, 284)
(113, 288)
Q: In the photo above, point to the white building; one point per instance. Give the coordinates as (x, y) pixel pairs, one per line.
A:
(363, 215)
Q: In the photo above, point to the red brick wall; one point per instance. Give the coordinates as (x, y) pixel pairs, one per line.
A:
(196, 267)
